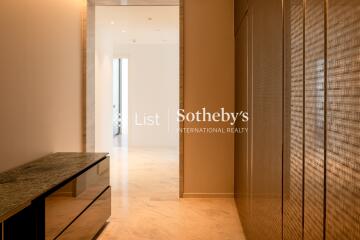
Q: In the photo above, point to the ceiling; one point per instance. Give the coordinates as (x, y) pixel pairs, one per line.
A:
(139, 24)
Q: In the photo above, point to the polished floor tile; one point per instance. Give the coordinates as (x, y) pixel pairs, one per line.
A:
(145, 203)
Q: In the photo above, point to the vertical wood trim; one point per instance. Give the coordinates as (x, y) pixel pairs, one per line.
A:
(90, 76)
(325, 109)
(83, 74)
(283, 116)
(181, 100)
(250, 160)
(303, 121)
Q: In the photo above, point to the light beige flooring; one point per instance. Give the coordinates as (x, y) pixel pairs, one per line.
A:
(145, 203)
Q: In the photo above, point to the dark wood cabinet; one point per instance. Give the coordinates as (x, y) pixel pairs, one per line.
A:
(90, 221)
(68, 202)
(26, 224)
(75, 208)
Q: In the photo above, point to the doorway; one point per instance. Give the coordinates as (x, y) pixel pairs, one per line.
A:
(117, 97)
(91, 101)
(120, 101)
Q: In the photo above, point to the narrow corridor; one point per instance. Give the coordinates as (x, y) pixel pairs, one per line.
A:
(145, 203)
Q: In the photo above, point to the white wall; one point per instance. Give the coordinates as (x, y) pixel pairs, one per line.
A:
(116, 95)
(125, 96)
(103, 91)
(153, 88)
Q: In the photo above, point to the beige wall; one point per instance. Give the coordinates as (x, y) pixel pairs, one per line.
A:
(40, 79)
(209, 81)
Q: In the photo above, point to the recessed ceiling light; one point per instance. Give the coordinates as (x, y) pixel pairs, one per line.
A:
(112, 22)
(123, 31)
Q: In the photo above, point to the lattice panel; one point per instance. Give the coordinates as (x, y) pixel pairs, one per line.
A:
(293, 198)
(343, 136)
(314, 120)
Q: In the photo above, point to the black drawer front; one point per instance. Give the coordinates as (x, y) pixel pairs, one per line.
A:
(23, 225)
(87, 225)
(64, 205)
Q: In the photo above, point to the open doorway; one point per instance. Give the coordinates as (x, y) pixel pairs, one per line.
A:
(120, 102)
(90, 118)
(137, 96)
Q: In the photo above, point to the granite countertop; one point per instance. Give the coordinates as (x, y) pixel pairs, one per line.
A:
(21, 185)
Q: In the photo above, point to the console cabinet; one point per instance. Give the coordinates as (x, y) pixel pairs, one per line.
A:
(76, 208)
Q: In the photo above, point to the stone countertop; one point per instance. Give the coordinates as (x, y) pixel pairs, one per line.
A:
(21, 185)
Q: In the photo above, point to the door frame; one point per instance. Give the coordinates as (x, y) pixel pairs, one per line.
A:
(88, 64)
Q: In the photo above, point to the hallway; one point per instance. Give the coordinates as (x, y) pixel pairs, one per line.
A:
(145, 203)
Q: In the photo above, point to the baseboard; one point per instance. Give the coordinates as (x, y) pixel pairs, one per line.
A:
(207, 195)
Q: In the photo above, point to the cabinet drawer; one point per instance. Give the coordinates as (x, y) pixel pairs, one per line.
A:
(64, 205)
(86, 226)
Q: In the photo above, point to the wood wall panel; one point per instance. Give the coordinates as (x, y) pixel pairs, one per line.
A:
(321, 140)
(293, 142)
(259, 91)
(331, 193)
(314, 120)
(343, 125)
(208, 81)
(242, 157)
(241, 7)
(266, 119)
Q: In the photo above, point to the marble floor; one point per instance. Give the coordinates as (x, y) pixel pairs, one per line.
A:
(145, 203)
